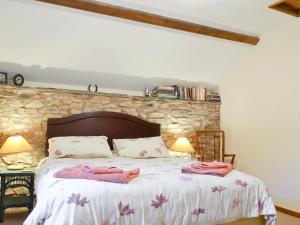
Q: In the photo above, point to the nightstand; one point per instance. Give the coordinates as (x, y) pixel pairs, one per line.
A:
(15, 179)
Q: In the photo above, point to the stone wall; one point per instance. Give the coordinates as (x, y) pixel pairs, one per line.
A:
(25, 111)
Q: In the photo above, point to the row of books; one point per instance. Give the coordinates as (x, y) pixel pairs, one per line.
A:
(185, 93)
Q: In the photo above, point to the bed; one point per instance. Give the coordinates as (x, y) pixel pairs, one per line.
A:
(161, 195)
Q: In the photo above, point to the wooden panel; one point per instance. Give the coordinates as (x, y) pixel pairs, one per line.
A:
(291, 7)
(153, 19)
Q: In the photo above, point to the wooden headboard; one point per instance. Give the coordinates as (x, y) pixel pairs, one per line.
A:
(111, 124)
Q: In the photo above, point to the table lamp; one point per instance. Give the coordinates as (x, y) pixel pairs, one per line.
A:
(15, 144)
(183, 146)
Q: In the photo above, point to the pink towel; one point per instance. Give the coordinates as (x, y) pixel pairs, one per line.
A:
(209, 168)
(114, 175)
(106, 170)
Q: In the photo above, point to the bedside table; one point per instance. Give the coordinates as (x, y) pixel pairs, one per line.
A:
(14, 179)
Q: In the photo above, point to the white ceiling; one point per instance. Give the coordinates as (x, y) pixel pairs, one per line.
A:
(54, 44)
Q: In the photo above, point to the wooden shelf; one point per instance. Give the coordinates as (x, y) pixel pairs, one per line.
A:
(110, 95)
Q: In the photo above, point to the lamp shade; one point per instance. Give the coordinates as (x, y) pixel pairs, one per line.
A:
(182, 144)
(15, 144)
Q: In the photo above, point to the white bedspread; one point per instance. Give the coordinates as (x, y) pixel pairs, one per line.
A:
(161, 195)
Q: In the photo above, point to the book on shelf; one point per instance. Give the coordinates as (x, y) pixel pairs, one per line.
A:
(164, 92)
(213, 97)
(180, 92)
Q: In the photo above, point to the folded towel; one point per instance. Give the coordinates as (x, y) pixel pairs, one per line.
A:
(97, 173)
(106, 170)
(210, 165)
(209, 168)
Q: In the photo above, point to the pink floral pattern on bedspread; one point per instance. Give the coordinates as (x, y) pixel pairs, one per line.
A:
(159, 201)
(219, 188)
(198, 212)
(154, 201)
(241, 183)
(235, 203)
(77, 200)
(125, 209)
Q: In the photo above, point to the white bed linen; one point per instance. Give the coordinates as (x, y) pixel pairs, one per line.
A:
(161, 195)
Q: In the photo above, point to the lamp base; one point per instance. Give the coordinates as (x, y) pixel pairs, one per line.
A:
(15, 167)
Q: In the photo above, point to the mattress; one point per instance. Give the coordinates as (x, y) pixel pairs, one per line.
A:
(161, 195)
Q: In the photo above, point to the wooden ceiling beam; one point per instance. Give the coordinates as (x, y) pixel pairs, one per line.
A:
(153, 19)
(291, 7)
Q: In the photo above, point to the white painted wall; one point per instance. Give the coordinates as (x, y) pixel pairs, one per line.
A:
(52, 44)
(261, 113)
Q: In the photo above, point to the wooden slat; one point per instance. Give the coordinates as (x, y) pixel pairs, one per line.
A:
(153, 19)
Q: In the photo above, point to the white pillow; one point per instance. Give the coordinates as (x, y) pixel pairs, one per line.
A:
(79, 147)
(153, 147)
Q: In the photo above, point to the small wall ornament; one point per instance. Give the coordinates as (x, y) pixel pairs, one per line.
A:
(3, 78)
(93, 88)
(18, 80)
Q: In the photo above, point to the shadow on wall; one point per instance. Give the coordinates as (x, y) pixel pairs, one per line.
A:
(64, 76)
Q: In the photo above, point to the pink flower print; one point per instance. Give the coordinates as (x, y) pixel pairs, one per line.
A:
(219, 188)
(109, 222)
(124, 210)
(143, 153)
(241, 183)
(198, 212)
(160, 200)
(260, 205)
(77, 200)
(57, 152)
(235, 203)
(185, 179)
(43, 220)
(158, 150)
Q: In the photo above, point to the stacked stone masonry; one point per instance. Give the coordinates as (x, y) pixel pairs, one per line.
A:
(25, 111)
